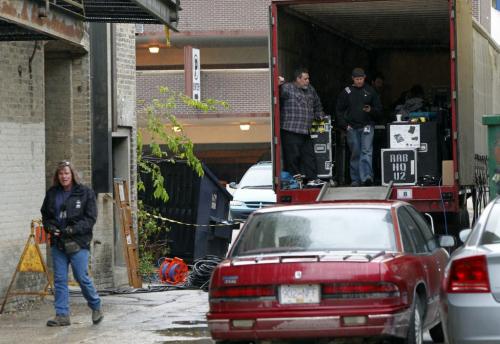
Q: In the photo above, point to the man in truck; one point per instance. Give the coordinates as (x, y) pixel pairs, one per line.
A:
(300, 104)
(358, 107)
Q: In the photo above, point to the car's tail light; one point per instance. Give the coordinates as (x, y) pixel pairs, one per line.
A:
(469, 275)
(243, 292)
(360, 290)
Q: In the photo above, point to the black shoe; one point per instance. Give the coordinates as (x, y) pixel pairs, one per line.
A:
(368, 182)
(355, 184)
(59, 320)
(97, 316)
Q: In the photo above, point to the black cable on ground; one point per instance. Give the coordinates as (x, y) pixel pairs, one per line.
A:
(198, 278)
(130, 290)
(201, 271)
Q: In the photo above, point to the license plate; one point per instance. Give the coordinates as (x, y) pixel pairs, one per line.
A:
(298, 294)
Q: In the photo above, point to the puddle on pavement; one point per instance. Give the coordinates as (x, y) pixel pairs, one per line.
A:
(189, 322)
(189, 341)
(200, 335)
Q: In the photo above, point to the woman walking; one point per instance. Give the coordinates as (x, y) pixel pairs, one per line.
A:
(69, 212)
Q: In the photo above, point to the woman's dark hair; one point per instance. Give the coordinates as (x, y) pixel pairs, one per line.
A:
(61, 165)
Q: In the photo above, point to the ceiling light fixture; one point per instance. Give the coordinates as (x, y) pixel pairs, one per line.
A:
(154, 49)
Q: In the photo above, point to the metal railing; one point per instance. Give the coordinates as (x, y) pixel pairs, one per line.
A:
(73, 7)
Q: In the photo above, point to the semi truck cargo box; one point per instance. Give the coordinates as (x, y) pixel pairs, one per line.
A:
(435, 44)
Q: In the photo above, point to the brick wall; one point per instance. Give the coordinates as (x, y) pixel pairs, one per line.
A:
(22, 150)
(58, 113)
(202, 15)
(126, 93)
(81, 126)
(247, 91)
(126, 116)
(125, 74)
(68, 114)
(68, 136)
(476, 9)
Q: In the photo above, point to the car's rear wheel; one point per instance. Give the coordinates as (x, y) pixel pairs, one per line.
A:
(437, 334)
(415, 329)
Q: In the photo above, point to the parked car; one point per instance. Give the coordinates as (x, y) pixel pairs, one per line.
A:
(471, 288)
(255, 191)
(338, 269)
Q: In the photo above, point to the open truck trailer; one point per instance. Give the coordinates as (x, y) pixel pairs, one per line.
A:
(434, 43)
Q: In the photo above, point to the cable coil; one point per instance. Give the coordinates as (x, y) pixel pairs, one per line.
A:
(202, 271)
(173, 271)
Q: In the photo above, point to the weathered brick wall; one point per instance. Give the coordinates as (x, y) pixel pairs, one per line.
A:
(81, 125)
(58, 113)
(103, 240)
(476, 6)
(68, 136)
(216, 15)
(126, 67)
(22, 150)
(126, 121)
(67, 118)
(126, 99)
(246, 91)
(125, 74)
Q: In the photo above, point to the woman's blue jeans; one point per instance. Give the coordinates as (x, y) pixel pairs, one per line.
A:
(79, 264)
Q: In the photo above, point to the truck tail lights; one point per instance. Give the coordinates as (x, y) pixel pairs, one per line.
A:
(469, 275)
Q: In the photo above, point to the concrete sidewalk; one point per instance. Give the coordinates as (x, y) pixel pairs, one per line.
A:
(175, 316)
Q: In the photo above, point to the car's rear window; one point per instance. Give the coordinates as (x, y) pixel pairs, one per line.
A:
(317, 230)
(261, 177)
(491, 233)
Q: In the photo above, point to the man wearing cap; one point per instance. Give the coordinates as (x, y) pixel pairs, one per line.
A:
(357, 109)
(299, 105)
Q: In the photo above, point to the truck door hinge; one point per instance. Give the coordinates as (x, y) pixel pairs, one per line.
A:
(452, 14)
(454, 94)
(455, 135)
(275, 140)
(274, 100)
(276, 180)
(456, 175)
(453, 54)
(274, 61)
(272, 20)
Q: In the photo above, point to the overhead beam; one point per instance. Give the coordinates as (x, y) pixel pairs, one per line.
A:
(32, 15)
(165, 10)
(133, 11)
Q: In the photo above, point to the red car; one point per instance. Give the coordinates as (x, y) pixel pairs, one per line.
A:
(365, 269)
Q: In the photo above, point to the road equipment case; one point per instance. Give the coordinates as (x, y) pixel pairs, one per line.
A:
(321, 135)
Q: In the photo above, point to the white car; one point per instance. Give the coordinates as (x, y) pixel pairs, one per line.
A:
(255, 191)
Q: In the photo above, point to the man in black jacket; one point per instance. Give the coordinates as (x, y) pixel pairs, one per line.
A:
(68, 213)
(357, 109)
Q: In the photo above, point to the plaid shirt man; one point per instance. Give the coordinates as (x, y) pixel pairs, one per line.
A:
(298, 108)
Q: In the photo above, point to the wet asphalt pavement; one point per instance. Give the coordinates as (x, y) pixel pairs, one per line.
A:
(170, 317)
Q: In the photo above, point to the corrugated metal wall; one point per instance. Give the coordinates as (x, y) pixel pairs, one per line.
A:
(486, 84)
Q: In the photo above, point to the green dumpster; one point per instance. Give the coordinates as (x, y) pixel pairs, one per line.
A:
(493, 123)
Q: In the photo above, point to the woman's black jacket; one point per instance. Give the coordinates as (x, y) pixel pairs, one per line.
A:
(81, 213)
